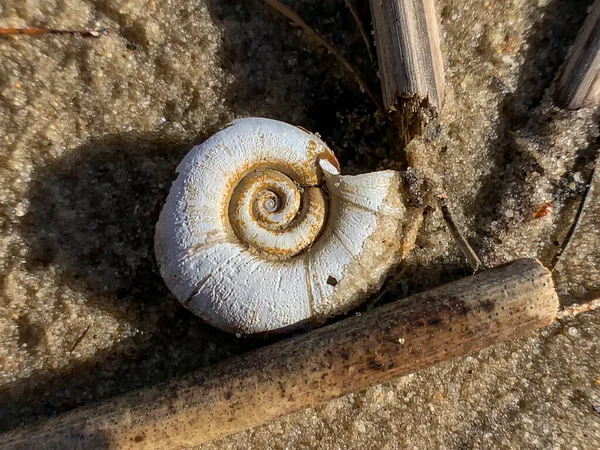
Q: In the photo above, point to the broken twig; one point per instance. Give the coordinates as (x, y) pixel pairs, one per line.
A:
(410, 61)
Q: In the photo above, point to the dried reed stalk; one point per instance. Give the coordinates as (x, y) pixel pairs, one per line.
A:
(348, 356)
(361, 28)
(410, 60)
(579, 84)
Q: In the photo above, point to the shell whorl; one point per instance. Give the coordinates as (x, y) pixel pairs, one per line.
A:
(275, 216)
(260, 232)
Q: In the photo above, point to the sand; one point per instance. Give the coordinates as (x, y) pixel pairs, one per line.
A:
(92, 129)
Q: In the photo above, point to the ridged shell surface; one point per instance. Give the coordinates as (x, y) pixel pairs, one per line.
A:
(260, 232)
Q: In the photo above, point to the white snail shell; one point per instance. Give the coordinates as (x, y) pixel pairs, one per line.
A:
(260, 232)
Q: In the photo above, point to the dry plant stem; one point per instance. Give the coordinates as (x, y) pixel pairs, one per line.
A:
(590, 192)
(361, 29)
(80, 338)
(579, 84)
(298, 21)
(576, 309)
(349, 356)
(472, 258)
(38, 31)
(410, 60)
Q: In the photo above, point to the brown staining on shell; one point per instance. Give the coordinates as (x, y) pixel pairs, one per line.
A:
(303, 202)
(274, 216)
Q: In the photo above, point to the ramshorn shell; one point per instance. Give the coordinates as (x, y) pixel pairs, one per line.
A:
(260, 232)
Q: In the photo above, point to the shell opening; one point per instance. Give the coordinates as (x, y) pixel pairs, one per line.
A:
(273, 215)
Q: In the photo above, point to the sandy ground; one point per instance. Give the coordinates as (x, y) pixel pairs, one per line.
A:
(92, 129)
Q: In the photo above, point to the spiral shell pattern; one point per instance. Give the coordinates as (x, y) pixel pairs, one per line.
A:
(260, 232)
(274, 216)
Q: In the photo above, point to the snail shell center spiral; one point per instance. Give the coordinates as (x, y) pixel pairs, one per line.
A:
(273, 215)
(271, 202)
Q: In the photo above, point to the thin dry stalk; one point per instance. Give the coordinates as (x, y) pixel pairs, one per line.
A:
(81, 337)
(361, 29)
(579, 84)
(298, 21)
(472, 258)
(38, 31)
(582, 206)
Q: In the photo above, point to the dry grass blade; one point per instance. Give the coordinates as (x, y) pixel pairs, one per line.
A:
(297, 20)
(38, 31)
(472, 258)
(573, 229)
(80, 338)
(361, 29)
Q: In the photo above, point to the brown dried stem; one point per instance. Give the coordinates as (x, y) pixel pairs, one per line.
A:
(466, 249)
(575, 223)
(361, 29)
(576, 309)
(349, 356)
(81, 337)
(38, 31)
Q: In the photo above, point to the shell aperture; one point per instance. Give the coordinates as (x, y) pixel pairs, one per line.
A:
(260, 232)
